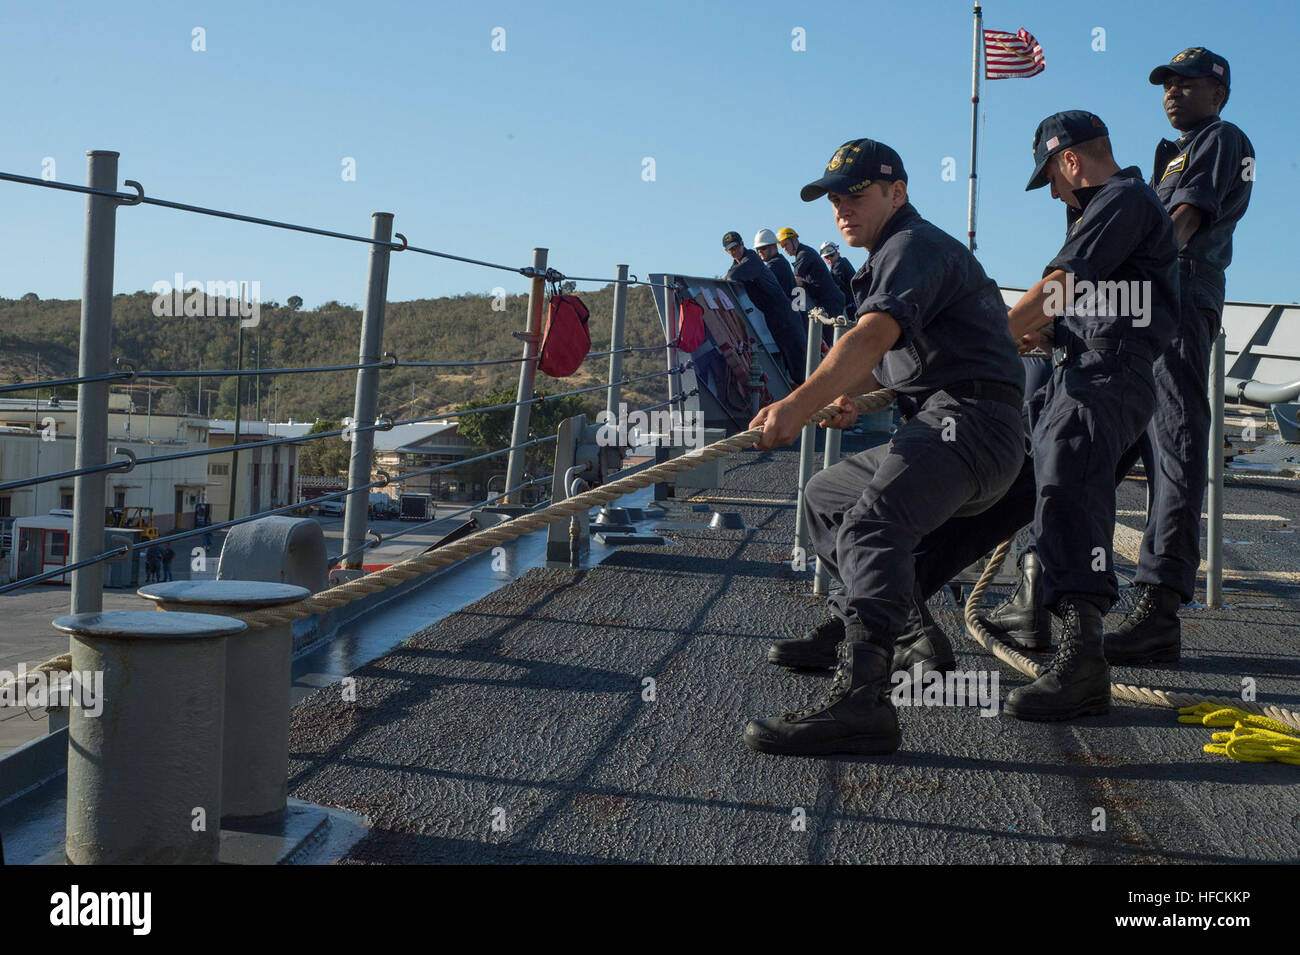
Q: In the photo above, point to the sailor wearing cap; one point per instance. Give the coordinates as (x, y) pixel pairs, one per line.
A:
(814, 277)
(932, 327)
(1204, 179)
(765, 246)
(765, 292)
(1111, 295)
(841, 270)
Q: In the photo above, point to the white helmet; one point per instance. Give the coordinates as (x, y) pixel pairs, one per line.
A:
(828, 248)
(764, 237)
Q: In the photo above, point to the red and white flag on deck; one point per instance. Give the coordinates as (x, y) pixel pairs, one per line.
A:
(1011, 54)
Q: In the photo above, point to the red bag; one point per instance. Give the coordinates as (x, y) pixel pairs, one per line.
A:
(690, 325)
(567, 340)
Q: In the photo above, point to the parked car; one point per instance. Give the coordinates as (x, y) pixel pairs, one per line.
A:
(333, 508)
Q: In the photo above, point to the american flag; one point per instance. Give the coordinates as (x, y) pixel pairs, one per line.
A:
(1011, 54)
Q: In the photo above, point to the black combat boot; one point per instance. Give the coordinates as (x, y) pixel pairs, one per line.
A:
(923, 642)
(1151, 632)
(815, 650)
(855, 716)
(1022, 618)
(1077, 681)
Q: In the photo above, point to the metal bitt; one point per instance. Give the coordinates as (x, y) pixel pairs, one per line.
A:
(1214, 526)
(807, 448)
(92, 397)
(527, 372)
(363, 415)
(832, 456)
(255, 760)
(144, 772)
(616, 345)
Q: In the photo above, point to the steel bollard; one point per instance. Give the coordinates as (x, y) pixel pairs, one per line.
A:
(255, 762)
(144, 774)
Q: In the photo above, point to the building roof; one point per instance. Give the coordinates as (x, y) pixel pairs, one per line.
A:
(403, 436)
(408, 435)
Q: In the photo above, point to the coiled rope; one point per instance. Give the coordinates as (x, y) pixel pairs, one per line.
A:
(1118, 691)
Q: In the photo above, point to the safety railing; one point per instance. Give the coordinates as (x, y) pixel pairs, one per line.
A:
(96, 374)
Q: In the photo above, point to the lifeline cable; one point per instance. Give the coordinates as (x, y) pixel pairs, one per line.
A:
(510, 530)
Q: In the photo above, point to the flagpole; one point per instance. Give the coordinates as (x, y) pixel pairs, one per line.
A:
(974, 124)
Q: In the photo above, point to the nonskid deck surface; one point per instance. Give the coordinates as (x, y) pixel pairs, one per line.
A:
(521, 729)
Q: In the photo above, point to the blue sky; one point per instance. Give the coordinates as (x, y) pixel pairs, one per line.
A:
(488, 154)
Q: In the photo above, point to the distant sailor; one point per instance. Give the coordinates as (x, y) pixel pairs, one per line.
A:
(931, 326)
(1204, 179)
(814, 278)
(841, 270)
(1110, 295)
(765, 246)
(765, 292)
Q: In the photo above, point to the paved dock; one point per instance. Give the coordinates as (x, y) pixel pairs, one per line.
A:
(595, 715)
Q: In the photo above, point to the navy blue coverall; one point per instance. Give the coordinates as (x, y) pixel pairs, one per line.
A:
(1205, 168)
(784, 274)
(1121, 255)
(819, 286)
(765, 292)
(961, 445)
(842, 272)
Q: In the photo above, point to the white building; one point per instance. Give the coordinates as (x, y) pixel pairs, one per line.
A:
(38, 437)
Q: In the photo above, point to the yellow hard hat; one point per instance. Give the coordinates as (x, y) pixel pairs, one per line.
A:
(786, 233)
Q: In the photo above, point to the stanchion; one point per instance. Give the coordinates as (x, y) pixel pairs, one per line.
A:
(807, 446)
(1214, 526)
(832, 456)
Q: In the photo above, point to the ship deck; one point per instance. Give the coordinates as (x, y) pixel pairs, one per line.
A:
(518, 729)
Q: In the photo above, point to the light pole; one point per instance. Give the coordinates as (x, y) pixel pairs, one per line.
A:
(234, 447)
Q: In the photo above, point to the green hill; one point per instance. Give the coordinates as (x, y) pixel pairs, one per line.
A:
(463, 327)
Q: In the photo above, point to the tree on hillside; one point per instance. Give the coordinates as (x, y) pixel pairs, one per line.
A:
(171, 401)
(295, 303)
(491, 430)
(226, 397)
(325, 457)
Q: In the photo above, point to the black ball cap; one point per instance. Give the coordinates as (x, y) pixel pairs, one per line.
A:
(1194, 61)
(856, 165)
(730, 239)
(1060, 131)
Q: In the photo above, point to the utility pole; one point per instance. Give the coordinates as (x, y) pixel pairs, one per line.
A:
(234, 447)
(257, 416)
(36, 491)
